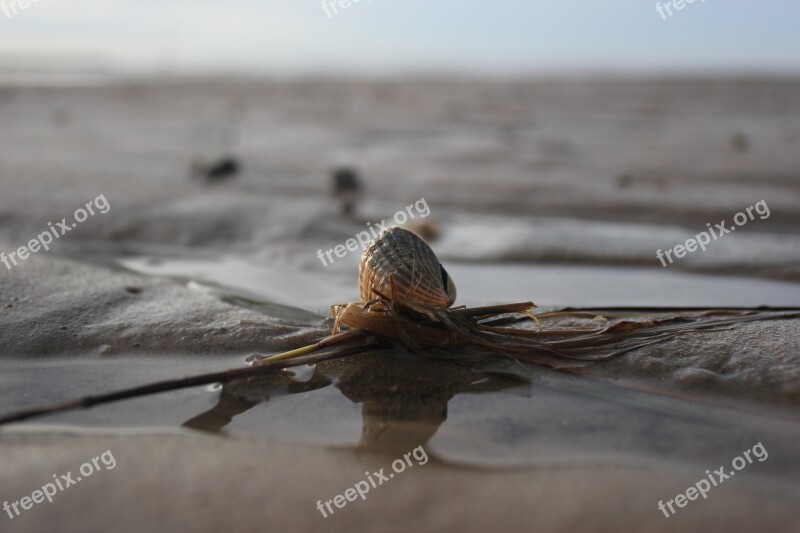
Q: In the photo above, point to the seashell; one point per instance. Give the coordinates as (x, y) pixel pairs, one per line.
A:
(399, 264)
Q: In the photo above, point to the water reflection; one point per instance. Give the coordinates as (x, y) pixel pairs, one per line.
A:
(403, 397)
(495, 420)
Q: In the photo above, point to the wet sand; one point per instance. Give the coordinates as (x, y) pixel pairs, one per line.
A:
(555, 191)
(566, 171)
(179, 482)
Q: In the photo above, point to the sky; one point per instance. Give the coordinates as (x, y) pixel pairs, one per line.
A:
(389, 36)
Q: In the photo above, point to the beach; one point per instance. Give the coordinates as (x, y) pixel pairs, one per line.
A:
(562, 191)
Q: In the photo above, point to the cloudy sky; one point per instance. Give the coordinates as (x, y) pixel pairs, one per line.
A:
(384, 36)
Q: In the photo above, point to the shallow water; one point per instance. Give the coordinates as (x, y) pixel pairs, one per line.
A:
(546, 285)
(393, 401)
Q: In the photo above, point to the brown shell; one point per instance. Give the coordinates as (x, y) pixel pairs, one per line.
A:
(399, 264)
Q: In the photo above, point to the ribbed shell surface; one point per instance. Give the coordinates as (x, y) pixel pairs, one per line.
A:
(409, 262)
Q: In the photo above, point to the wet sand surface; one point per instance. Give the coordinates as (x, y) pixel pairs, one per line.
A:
(558, 192)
